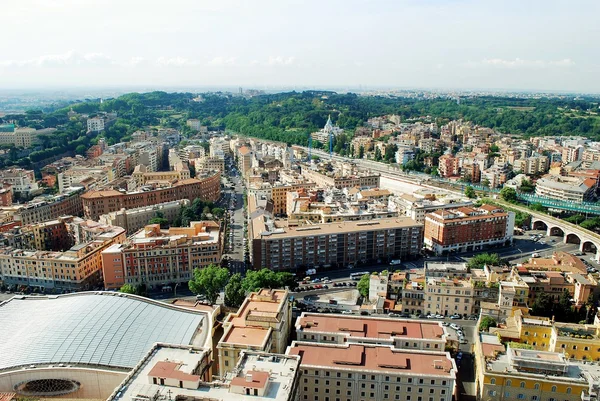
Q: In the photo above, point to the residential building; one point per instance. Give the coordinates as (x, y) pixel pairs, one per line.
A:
(378, 286)
(496, 175)
(279, 194)
(467, 229)
(6, 194)
(135, 219)
(416, 207)
(244, 157)
(79, 268)
(394, 332)
(372, 372)
(448, 165)
(532, 165)
(277, 246)
(47, 208)
(158, 257)
(504, 373)
(342, 175)
(96, 203)
(142, 176)
(261, 324)
(448, 296)
(210, 163)
(22, 181)
(573, 189)
(572, 154)
(95, 124)
(194, 124)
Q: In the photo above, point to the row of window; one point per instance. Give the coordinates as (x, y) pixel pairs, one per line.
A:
(536, 386)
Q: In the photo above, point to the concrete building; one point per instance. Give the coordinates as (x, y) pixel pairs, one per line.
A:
(447, 296)
(277, 246)
(416, 207)
(135, 219)
(244, 159)
(95, 124)
(158, 257)
(448, 166)
(97, 203)
(397, 333)
(210, 163)
(79, 268)
(573, 189)
(467, 229)
(262, 324)
(344, 175)
(372, 372)
(183, 373)
(22, 181)
(47, 208)
(532, 165)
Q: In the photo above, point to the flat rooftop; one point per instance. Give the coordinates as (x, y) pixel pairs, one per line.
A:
(275, 373)
(361, 358)
(366, 327)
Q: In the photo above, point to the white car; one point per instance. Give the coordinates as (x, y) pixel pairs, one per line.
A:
(347, 312)
(455, 326)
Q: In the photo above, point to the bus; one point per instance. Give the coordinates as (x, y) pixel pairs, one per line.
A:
(357, 276)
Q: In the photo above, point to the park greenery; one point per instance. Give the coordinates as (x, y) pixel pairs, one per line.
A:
(562, 310)
(139, 289)
(213, 279)
(290, 117)
(363, 285)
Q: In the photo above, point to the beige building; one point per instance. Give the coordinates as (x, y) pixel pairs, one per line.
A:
(210, 163)
(135, 219)
(357, 372)
(448, 296)
(262, 324)
(344, 176)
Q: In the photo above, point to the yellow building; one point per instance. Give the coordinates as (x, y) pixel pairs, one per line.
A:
(525, 374)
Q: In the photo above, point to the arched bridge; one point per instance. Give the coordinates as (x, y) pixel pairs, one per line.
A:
(572, 234)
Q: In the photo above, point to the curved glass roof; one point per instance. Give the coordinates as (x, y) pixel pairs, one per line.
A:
(90, 328)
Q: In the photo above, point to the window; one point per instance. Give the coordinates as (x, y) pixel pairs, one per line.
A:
(506, 394)
(553, 389)
(568, 390)
(362, 385)
(521, 396)
(493, 381)
(522, 385)
(536, 386)
(491, 392)
(433, 382)
(534, 398)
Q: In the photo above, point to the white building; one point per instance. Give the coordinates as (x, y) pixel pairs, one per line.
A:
(95, 124)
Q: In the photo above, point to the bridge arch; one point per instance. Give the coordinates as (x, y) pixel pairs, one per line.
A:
(556, 231)
(539, 225)
(589, 246)
(572, 238)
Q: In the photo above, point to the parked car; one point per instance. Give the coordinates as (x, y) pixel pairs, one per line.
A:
(439, 316)
(455, 316)
(347, 312)
(393, 315)
(455, 326)
(444, 323)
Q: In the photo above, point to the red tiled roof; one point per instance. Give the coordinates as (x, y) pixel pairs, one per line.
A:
(170, 370)
(259, 380)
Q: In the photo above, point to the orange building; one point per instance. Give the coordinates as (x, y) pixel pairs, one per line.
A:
(97, 203)
(6, 194)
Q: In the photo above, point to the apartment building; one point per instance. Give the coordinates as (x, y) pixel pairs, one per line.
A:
(6, 194)
(210, 163)
(416, 207)
(79, 268)
(467, 229)
(244, 159)
(142, 176)
(277, 246)
(573, 189)
(504, 373)
(397, 333)
(532, 165)
(21, 137)
(158, 257)
(194, 124)
(279, 194)
(96, 203)
(95, 124)
(51, 207)
(369, 372)
(343, 176)
(83, 176)
(22, 181)
(135, 219)
(448, 296)
(448, 165)
(262, 324)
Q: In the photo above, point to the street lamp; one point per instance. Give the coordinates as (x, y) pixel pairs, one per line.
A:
(175, 290)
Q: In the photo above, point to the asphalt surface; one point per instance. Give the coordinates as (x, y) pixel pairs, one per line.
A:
(235, 206)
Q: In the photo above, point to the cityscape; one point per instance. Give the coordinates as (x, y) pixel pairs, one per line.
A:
(213, 202)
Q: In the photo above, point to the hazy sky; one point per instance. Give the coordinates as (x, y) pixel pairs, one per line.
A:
(502, 44)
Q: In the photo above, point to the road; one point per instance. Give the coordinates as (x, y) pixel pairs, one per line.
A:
(235, 206)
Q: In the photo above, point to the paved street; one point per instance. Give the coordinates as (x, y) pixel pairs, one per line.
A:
(235, 205)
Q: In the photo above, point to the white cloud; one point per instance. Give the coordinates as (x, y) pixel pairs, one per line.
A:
(279, 60)
(522, 63)
(220, 61)
(69, 58)
(133, 61)
(176, 62)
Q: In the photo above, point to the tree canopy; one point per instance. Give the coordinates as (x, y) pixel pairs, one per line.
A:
(209, 281)
(363, 285)
(482, 259)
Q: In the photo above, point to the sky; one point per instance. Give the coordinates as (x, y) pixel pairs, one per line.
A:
(550, 45)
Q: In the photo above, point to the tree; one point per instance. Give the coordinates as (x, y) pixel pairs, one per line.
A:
(508, 194)
(363, 285)
(361, 152)
(234, 293)
(127, 289)
(542, 305)
(470, 192)
(486, 323)
(80, 149)
(209, 281)
(485, 182)
(265, 278)
(164, 223)
(378, 154)
(537, 207)
(482, 259)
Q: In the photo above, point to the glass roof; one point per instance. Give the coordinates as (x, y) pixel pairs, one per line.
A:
(88, 329)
